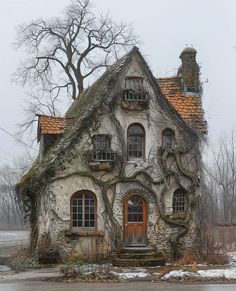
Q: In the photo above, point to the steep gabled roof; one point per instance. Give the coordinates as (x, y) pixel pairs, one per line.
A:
(189, 106)
(83, 111)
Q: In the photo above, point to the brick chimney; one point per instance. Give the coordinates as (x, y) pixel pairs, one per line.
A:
(189, 70)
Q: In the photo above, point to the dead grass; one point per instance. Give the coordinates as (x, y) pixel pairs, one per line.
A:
(212, 257)
(23, 260)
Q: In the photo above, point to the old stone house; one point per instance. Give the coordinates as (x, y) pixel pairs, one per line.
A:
(121, 169)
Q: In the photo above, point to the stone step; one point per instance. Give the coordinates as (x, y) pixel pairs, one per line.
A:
(138, 255)
(138, 250)
(145, 262)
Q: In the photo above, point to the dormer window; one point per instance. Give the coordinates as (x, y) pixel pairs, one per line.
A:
(134, 89)
(192, 90)
(134, 83)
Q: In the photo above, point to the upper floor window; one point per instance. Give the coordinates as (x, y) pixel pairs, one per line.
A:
(102, 148)
(168, 139)
(101, 142)
(134, 83)
(179, 203)
(83, 209)
(136, 141)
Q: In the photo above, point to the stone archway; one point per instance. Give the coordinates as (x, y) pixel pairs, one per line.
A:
(123, 192)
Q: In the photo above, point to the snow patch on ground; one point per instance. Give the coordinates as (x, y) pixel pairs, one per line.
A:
(177, 274)
(131, 275)
(227, 273)
(210, 274)
(4, 268)
(224, 273)
(232, 256)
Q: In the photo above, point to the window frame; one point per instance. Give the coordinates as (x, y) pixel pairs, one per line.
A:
(83, 227)
(129, 78)
(166, 130)
(106, 136)
(143, 135)
(184, 202)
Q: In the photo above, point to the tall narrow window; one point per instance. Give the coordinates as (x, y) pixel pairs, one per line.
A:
(136, 141)
(168, 139)
(179, 203)
(83, 209)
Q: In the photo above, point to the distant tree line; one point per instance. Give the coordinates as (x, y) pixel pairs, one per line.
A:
(11, 216)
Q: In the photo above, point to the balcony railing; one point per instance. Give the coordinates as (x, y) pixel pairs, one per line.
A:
(132, 95)
(104, 156)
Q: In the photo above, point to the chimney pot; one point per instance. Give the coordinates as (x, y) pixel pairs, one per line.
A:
(189, 70)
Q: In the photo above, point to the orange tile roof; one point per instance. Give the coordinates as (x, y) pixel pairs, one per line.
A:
(188, 106)
(52, 125)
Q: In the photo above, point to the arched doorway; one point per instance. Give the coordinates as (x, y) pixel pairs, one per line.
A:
(135, 221)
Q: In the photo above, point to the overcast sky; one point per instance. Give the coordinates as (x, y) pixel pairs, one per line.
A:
(165, 28)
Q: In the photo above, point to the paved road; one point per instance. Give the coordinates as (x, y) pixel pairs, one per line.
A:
(137, 286)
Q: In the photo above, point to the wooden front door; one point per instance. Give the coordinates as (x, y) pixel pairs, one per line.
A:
(135, 221)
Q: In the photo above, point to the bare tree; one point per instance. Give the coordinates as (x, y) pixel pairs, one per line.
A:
(221, 180)
(10, 214)
(64, 51)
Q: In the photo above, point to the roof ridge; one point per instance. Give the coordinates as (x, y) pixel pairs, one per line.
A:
(55, 117)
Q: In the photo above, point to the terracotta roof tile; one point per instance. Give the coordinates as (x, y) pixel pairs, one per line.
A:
(188, 106)
(52, 125)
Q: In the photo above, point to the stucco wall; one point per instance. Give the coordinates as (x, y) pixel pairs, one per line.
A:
(54, 202)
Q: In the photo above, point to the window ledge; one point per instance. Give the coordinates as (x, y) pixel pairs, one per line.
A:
(82, 232)
(134, 160)
(101, 165)
(134, 105)
(178, 215)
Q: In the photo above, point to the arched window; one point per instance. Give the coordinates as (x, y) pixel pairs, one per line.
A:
(179, 203)
(136, 141)
(168, 137)
(83, 209)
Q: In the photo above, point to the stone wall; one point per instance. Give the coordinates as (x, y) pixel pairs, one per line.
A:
(54, 217)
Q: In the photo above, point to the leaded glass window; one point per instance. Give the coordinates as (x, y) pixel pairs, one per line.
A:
(168, 139)
(83, 208)
(136, 141)
(134, 83)
(135, 209)
(179, 203)
(101, 142)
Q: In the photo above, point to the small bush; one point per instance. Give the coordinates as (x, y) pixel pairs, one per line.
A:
(23, 260)
(188, 257)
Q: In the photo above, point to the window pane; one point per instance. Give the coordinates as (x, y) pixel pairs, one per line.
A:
(168, 139)
(134, 83)
(135, 129)
(101, 142)
(135, 141)
(179, 201)
(135, 209)
(83, 210)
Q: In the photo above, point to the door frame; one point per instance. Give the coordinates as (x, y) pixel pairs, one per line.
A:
(145, 219)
